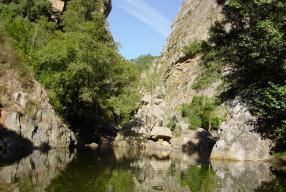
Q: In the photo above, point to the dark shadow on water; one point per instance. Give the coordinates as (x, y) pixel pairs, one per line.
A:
(13, 147)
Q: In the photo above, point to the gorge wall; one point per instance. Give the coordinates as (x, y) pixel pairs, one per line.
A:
(171, 81)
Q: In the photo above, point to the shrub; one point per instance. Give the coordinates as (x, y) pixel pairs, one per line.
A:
(191, 50)
(271, 109)
(203, 112)
(172, 124)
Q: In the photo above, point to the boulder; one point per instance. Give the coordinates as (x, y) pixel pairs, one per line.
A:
(237, 138)
(163, 133)
(58, 5)
(199, 140)
(91, 145)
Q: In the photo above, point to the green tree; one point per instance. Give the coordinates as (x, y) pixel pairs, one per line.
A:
(251, 40)
(143, 62)
(88, 81)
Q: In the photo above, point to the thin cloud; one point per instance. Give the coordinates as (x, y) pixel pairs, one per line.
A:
(146, 14)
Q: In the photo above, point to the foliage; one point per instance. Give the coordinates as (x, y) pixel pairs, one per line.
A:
(172, 124)
(193, 49)
(253, 46)
(203, 112)
(210, 74)
(143, 62)
(271, 108)
(75, 59)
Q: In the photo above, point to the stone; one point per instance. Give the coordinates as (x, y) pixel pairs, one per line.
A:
(182, 126)
(146, 99)
(58, 5)
(20, 98)
(161, 133)
(199, 140)
(30, 116)
(91, 145)
(175, 73)
(237, 138)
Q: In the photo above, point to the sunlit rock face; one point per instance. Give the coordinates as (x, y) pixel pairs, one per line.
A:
(35, 172)
(58, 5)
(174, 75)
(26, 111)
(238, 141)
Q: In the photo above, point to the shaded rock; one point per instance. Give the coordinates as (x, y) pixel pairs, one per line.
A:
(163, 133)
(238, 141)
(199, 140)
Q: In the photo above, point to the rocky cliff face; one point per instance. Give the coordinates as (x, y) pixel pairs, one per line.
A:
(26, 111)
(172, 78)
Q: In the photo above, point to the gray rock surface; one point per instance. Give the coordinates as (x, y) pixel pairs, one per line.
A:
(163, 133)
(199, 140)
(26, 111)
(238, 140)
(171, 78)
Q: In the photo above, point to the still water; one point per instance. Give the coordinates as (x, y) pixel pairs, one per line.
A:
(121, 170)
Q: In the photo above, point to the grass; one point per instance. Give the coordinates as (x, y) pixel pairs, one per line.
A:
(279, 154)
(210, 74)
(193, 49)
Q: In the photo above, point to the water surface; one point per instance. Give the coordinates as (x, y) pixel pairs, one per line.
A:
(122, 170)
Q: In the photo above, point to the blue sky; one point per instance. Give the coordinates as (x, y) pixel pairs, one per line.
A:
(142, 26)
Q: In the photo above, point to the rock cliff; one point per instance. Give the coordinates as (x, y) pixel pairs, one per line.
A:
(171, 81)
(26, 111)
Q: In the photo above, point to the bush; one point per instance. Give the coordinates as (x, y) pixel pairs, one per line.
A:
(143, 62)
(203, 112)
(193, 49)
(271, 109)
(254, 48)
(172, 124)
(210, 74)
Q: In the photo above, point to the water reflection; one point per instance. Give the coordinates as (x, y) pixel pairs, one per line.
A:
(123, 170)
(35, 172)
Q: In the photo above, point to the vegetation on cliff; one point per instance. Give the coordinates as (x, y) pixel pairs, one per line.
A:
(253, 45)
(75, 58)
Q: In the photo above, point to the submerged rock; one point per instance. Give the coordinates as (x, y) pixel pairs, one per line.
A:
(238, 141)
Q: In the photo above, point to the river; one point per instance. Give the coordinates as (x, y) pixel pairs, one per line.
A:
(122, 170)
